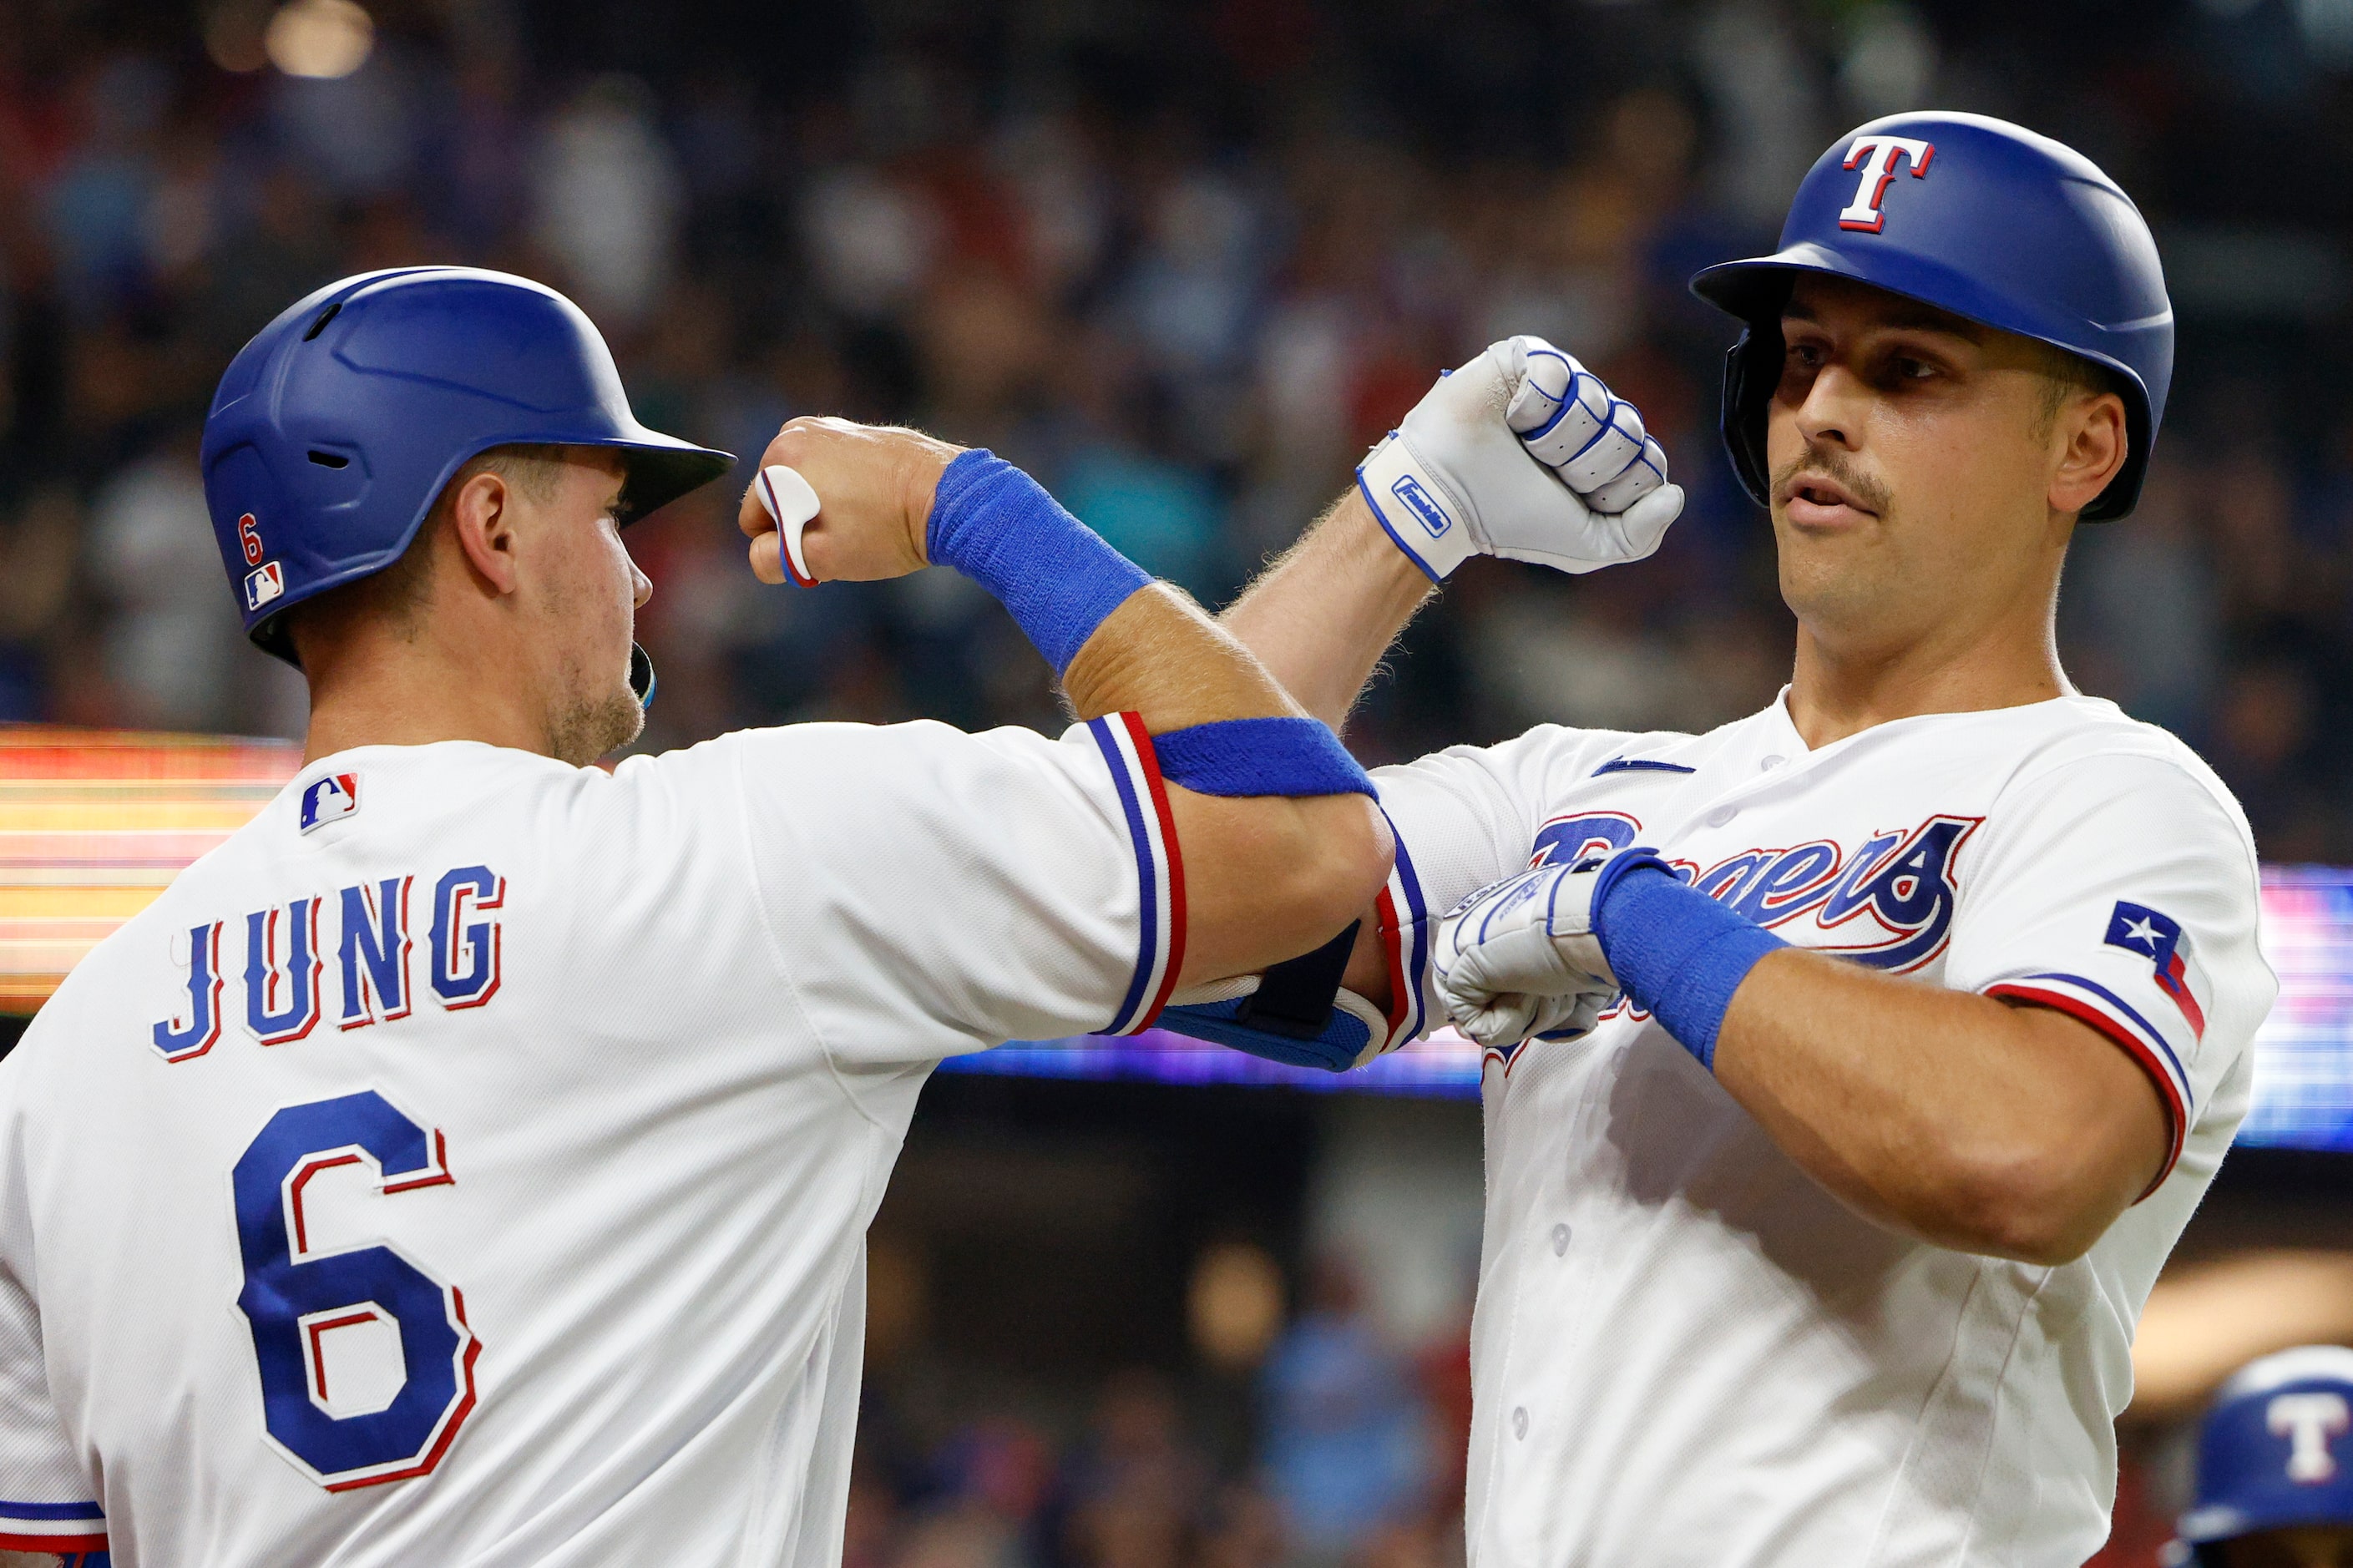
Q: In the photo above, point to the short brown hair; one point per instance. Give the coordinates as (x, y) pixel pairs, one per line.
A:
(398, 593)
(2063, 375)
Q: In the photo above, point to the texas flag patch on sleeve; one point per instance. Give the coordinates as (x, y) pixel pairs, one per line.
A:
(2136, 928)
(326, 799)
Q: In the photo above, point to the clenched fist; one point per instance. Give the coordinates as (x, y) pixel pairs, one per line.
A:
(1521, 453)
(872, 487)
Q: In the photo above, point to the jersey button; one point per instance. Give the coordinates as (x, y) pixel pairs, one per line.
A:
(1722, 815)
(1769, 764)
(1520, 1422)
(1559, 1240)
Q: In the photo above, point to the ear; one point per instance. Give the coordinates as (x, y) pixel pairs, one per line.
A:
(482, 514)
(2090, 447)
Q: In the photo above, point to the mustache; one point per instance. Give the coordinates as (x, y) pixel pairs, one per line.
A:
(1835, 466)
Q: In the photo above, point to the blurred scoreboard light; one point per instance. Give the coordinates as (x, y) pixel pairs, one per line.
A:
(1445, 1065)
(93, 825)
(2303, 1054)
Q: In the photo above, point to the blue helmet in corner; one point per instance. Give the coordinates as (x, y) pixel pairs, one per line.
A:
(2274, 1450)
(1980, 218)
(336, 429)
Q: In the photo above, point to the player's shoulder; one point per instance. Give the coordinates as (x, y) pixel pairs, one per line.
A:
(2084, 749)
(2087, 740)
(1564, 752)
(832, 756)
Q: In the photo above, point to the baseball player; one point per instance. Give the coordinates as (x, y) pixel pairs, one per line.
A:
(2274, 1485)
(469, 1162)
(1849, 1068)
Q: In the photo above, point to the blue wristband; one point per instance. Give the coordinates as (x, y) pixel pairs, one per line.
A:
(1057, 577)
(1260, 756)
(1679, 953)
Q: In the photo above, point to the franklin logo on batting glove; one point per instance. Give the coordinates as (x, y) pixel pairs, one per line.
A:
(1426, 511)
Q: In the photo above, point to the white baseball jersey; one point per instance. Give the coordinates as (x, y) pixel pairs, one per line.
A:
(1685, 1352)
(469, 1162)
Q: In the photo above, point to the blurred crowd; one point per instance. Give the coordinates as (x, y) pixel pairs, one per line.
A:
(1326, 1446)
(1182, 261)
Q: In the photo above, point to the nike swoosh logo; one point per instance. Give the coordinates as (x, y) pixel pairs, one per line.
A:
(1640, 765)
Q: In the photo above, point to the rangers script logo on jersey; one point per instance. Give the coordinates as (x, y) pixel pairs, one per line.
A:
(1899, 885)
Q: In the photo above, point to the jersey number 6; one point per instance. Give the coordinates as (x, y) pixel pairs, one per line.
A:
(296, 1301)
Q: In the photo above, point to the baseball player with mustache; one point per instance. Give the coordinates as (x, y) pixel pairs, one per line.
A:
(1851, 1069)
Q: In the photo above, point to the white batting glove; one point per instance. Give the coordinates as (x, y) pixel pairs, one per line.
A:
(1518, 957)
(1522, 453)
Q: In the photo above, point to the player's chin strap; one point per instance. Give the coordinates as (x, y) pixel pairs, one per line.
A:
(1296, 1012)
(642, 684)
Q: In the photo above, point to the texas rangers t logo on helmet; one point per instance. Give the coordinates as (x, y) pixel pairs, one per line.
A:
(2308, 1421)
(1875, 156)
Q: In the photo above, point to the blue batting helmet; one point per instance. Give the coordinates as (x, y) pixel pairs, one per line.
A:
(1980, 218)
(2273, 1450)
(336, 429)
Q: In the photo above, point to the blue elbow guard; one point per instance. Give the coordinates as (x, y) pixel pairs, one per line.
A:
(1260, 756)
(1295, 1014)
(1347, 1039)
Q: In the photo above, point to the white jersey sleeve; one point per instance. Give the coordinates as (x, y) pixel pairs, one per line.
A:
(1464, 818)
(2122, 890)
(932, 892)
(48, 1499)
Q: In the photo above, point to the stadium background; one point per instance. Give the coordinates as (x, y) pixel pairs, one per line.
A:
(1183, 261)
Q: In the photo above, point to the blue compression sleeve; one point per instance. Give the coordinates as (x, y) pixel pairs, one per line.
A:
(1057, 577)
(1678, 952)
(1260, 756)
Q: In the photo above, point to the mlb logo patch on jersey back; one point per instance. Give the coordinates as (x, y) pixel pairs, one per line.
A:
(325, 799)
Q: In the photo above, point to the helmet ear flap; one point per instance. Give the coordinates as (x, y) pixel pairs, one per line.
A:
(1752, 369)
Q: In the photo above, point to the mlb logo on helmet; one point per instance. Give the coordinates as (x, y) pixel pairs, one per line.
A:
(326, 799)
(1876, 156)
(264, 583)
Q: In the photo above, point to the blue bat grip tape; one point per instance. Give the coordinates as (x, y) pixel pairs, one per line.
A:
(1260, 756)
(1678, 952)
(1059, 578)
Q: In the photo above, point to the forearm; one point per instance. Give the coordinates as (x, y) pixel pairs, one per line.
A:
(1321, 617)
(1956, 1117)
(1160, 657)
